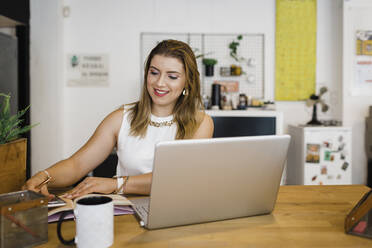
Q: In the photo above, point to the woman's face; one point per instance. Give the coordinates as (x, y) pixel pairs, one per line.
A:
(165, 82)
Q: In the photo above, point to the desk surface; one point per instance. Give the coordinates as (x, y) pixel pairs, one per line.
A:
(304, 216)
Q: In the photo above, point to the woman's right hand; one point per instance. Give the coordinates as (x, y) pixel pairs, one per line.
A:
(35, 184)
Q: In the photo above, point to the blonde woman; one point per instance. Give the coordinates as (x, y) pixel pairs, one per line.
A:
(170, 108)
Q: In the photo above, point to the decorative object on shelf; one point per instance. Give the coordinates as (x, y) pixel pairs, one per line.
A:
(206, 101)
(209, 66)
(235, 70)
(312, 102)
(228, 86)
(256, 103)
(12, 148)
(269, 105)
(226, 101)
(243, 102)
(251, 78)
(225, 71)
(233, 46)
(251, 62)
(216, 96)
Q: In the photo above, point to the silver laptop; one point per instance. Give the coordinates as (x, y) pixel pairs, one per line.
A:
(202, 180)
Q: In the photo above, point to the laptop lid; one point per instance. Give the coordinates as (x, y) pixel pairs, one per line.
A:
(204, 180)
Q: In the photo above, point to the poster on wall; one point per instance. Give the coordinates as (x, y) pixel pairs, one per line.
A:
(88, 70)
(295, 51)
(362, 83)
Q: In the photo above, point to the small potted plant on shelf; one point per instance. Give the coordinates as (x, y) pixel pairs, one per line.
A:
(12, 147)
(233, 46)
(209, 66)
(236, 70)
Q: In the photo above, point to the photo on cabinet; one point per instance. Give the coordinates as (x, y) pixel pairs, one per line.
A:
(327, 144)
(342, 156)
(364, 42)
(327, 155)
(344, 166)
(314, 178)
(312, 153)
(323, 170)
(341, 146)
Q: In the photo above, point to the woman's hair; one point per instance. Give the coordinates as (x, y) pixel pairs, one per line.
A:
(187, 106)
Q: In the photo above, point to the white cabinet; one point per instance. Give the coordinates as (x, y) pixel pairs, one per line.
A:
(319, 156)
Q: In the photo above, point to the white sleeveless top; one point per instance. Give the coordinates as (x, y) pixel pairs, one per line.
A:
(136, 154)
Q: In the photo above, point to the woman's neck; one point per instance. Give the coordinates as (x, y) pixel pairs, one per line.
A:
(161, 112)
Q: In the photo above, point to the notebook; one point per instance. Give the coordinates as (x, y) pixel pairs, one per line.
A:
(202, 180)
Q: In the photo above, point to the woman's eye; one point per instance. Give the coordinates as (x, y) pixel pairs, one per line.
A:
(172, 77)
(153, 73)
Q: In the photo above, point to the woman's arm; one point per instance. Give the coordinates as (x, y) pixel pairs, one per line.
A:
(140, 184)
(88, 157)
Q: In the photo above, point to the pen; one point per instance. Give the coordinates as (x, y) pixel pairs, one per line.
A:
(43, 183)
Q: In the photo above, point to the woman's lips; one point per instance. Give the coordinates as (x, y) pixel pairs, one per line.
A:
(160, 92)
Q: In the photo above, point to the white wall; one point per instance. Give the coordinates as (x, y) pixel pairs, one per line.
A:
(357, 16)
(47, 97)
(114, 27)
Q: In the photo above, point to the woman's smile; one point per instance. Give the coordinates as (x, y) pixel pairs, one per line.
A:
(160, 93)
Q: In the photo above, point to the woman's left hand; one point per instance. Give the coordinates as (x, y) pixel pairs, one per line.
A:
(92, 184)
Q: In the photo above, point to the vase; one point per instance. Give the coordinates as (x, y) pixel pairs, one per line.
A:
(209, 70)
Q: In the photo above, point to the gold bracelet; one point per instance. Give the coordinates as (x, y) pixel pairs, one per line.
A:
(47, 173)
(46, 181)
(120, 190)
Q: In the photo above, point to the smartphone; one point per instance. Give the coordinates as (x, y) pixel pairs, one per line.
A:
(56, 202)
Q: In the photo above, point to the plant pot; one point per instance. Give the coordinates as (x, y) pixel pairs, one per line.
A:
(209, 70)
(13, 165)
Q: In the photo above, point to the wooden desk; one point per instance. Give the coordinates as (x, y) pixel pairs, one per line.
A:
(304, 216)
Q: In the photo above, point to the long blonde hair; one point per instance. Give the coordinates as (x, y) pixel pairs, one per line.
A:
(186, 110)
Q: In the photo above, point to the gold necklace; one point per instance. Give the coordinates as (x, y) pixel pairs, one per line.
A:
(161, 124)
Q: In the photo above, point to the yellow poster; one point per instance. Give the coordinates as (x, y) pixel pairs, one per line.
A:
(295, 47)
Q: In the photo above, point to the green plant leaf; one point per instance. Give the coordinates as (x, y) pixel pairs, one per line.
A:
(6, 105)
(10, 124)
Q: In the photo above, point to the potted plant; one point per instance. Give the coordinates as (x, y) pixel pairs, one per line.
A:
(236, 70)
(209, 66)
(12, 147)
(233, 46)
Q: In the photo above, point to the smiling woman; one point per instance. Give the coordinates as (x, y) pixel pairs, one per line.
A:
(165, 83)
(170, 108)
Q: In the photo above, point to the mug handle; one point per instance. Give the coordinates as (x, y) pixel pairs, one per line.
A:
(59, 226)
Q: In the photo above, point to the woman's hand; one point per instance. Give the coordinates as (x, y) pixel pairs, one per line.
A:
(36, 184)
(92, 184)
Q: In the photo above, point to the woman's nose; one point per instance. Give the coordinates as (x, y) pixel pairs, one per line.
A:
(161, 81)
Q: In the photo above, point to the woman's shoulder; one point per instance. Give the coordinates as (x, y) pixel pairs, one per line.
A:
(115, 118)
(201, 116)
(206, 126)
(120, 111)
